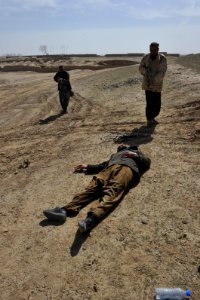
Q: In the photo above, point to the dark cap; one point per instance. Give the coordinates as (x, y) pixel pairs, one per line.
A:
(154, 44)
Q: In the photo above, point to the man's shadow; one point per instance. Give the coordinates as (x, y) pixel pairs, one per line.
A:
(47, 222)
(50, 118)
(137, 136)
(79, 239)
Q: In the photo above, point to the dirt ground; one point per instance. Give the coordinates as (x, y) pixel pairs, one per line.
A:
(152, 239)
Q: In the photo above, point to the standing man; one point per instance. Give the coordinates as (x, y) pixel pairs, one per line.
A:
(112, 181)
(153, 67)
(64, 87)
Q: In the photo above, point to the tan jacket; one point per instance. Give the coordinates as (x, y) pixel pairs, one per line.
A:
(153, 72)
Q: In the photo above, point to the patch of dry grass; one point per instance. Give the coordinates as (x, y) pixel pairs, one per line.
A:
(190, 61)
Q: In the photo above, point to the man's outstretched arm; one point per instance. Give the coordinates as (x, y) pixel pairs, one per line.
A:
(90, 169)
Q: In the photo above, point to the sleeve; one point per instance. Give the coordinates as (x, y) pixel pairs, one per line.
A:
(94, 169)
(160, 74)
(67, 77)
(163, 65)
(56, 77)
(70, 87)
(142, 66)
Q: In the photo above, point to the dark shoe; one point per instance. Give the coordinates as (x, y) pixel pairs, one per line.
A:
(151, 122)
(86, 224)
(63, 112)
(55, 214)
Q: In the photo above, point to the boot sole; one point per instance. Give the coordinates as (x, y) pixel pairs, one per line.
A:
(82, 227)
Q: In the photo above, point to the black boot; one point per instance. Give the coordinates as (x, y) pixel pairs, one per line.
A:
(56, 214)
(88, 223)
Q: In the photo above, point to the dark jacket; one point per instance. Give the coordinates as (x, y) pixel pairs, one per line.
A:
(138, 165)
(63, 75)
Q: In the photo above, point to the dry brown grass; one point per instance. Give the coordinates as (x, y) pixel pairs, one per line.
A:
(191, 61)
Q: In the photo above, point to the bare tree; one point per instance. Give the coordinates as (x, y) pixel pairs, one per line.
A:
(43, 49)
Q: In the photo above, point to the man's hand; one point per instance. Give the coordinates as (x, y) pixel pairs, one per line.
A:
(130, 154)
(80, 168)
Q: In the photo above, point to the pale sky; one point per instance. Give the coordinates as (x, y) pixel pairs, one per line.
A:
(99, 26)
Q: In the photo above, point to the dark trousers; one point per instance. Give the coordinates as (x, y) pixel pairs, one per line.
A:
(153, 104)
(64, 96)
(106, 188)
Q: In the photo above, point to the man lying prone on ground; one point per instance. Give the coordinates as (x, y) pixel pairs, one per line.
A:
(112, 181)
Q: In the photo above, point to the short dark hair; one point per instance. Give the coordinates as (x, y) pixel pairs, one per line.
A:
(134, 147)
(122, 147)
(154, 44)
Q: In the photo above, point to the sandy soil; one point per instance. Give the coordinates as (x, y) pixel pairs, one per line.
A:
(152, 239)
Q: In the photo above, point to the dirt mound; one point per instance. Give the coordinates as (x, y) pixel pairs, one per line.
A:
(116, 63)
(49, 63)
